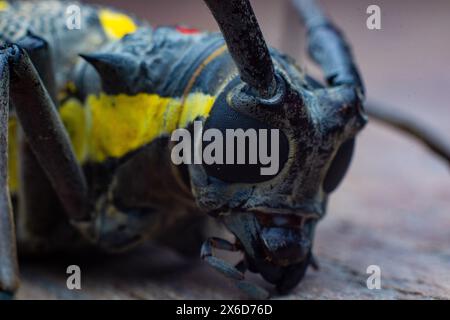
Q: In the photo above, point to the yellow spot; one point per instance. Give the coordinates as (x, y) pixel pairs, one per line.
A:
(13, 174)
(76, 119)
(4, 5)
(196, 105)
(122, 123)
(116, 24)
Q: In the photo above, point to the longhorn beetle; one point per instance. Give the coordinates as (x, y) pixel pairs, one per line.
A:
(85, 121)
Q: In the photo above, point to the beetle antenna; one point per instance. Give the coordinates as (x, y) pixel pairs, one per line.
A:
(395, 119)
(246, 43)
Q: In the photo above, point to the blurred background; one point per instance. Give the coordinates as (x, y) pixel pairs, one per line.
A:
(393, 210)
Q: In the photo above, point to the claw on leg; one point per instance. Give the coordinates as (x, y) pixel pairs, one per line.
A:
(234, 273)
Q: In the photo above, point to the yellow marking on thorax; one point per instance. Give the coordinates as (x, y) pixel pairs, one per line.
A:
(113, 125)
(122, 123)
(4, 5)
(77, 121)
(116, 24)
(194, 106)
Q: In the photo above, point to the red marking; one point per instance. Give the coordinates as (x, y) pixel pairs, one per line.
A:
(185, 30)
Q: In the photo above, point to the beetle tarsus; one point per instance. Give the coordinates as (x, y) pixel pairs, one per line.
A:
(235, 273)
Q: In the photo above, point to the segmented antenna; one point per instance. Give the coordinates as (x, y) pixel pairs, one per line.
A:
(246, 43)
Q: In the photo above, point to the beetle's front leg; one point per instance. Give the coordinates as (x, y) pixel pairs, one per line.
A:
(39, 211)
(8, 254)
(236, 273)
(47, 138)
(46, 134)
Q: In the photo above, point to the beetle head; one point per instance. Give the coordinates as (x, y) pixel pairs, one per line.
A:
(273, 214)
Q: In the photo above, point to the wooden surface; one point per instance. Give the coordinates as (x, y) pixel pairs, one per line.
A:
(393, 210)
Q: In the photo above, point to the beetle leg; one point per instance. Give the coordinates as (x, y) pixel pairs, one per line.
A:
(414, 128)
(234, 273)
(40, 55)
(45, 133)
(220, 265)
(9, 271)
(39, 211)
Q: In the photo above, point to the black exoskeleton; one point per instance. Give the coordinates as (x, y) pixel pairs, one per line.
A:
(86, 118)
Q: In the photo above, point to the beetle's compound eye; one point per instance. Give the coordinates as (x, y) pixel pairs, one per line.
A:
(252, 151)
(339, 166)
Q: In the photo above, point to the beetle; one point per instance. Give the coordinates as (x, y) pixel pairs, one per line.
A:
(86, 117)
